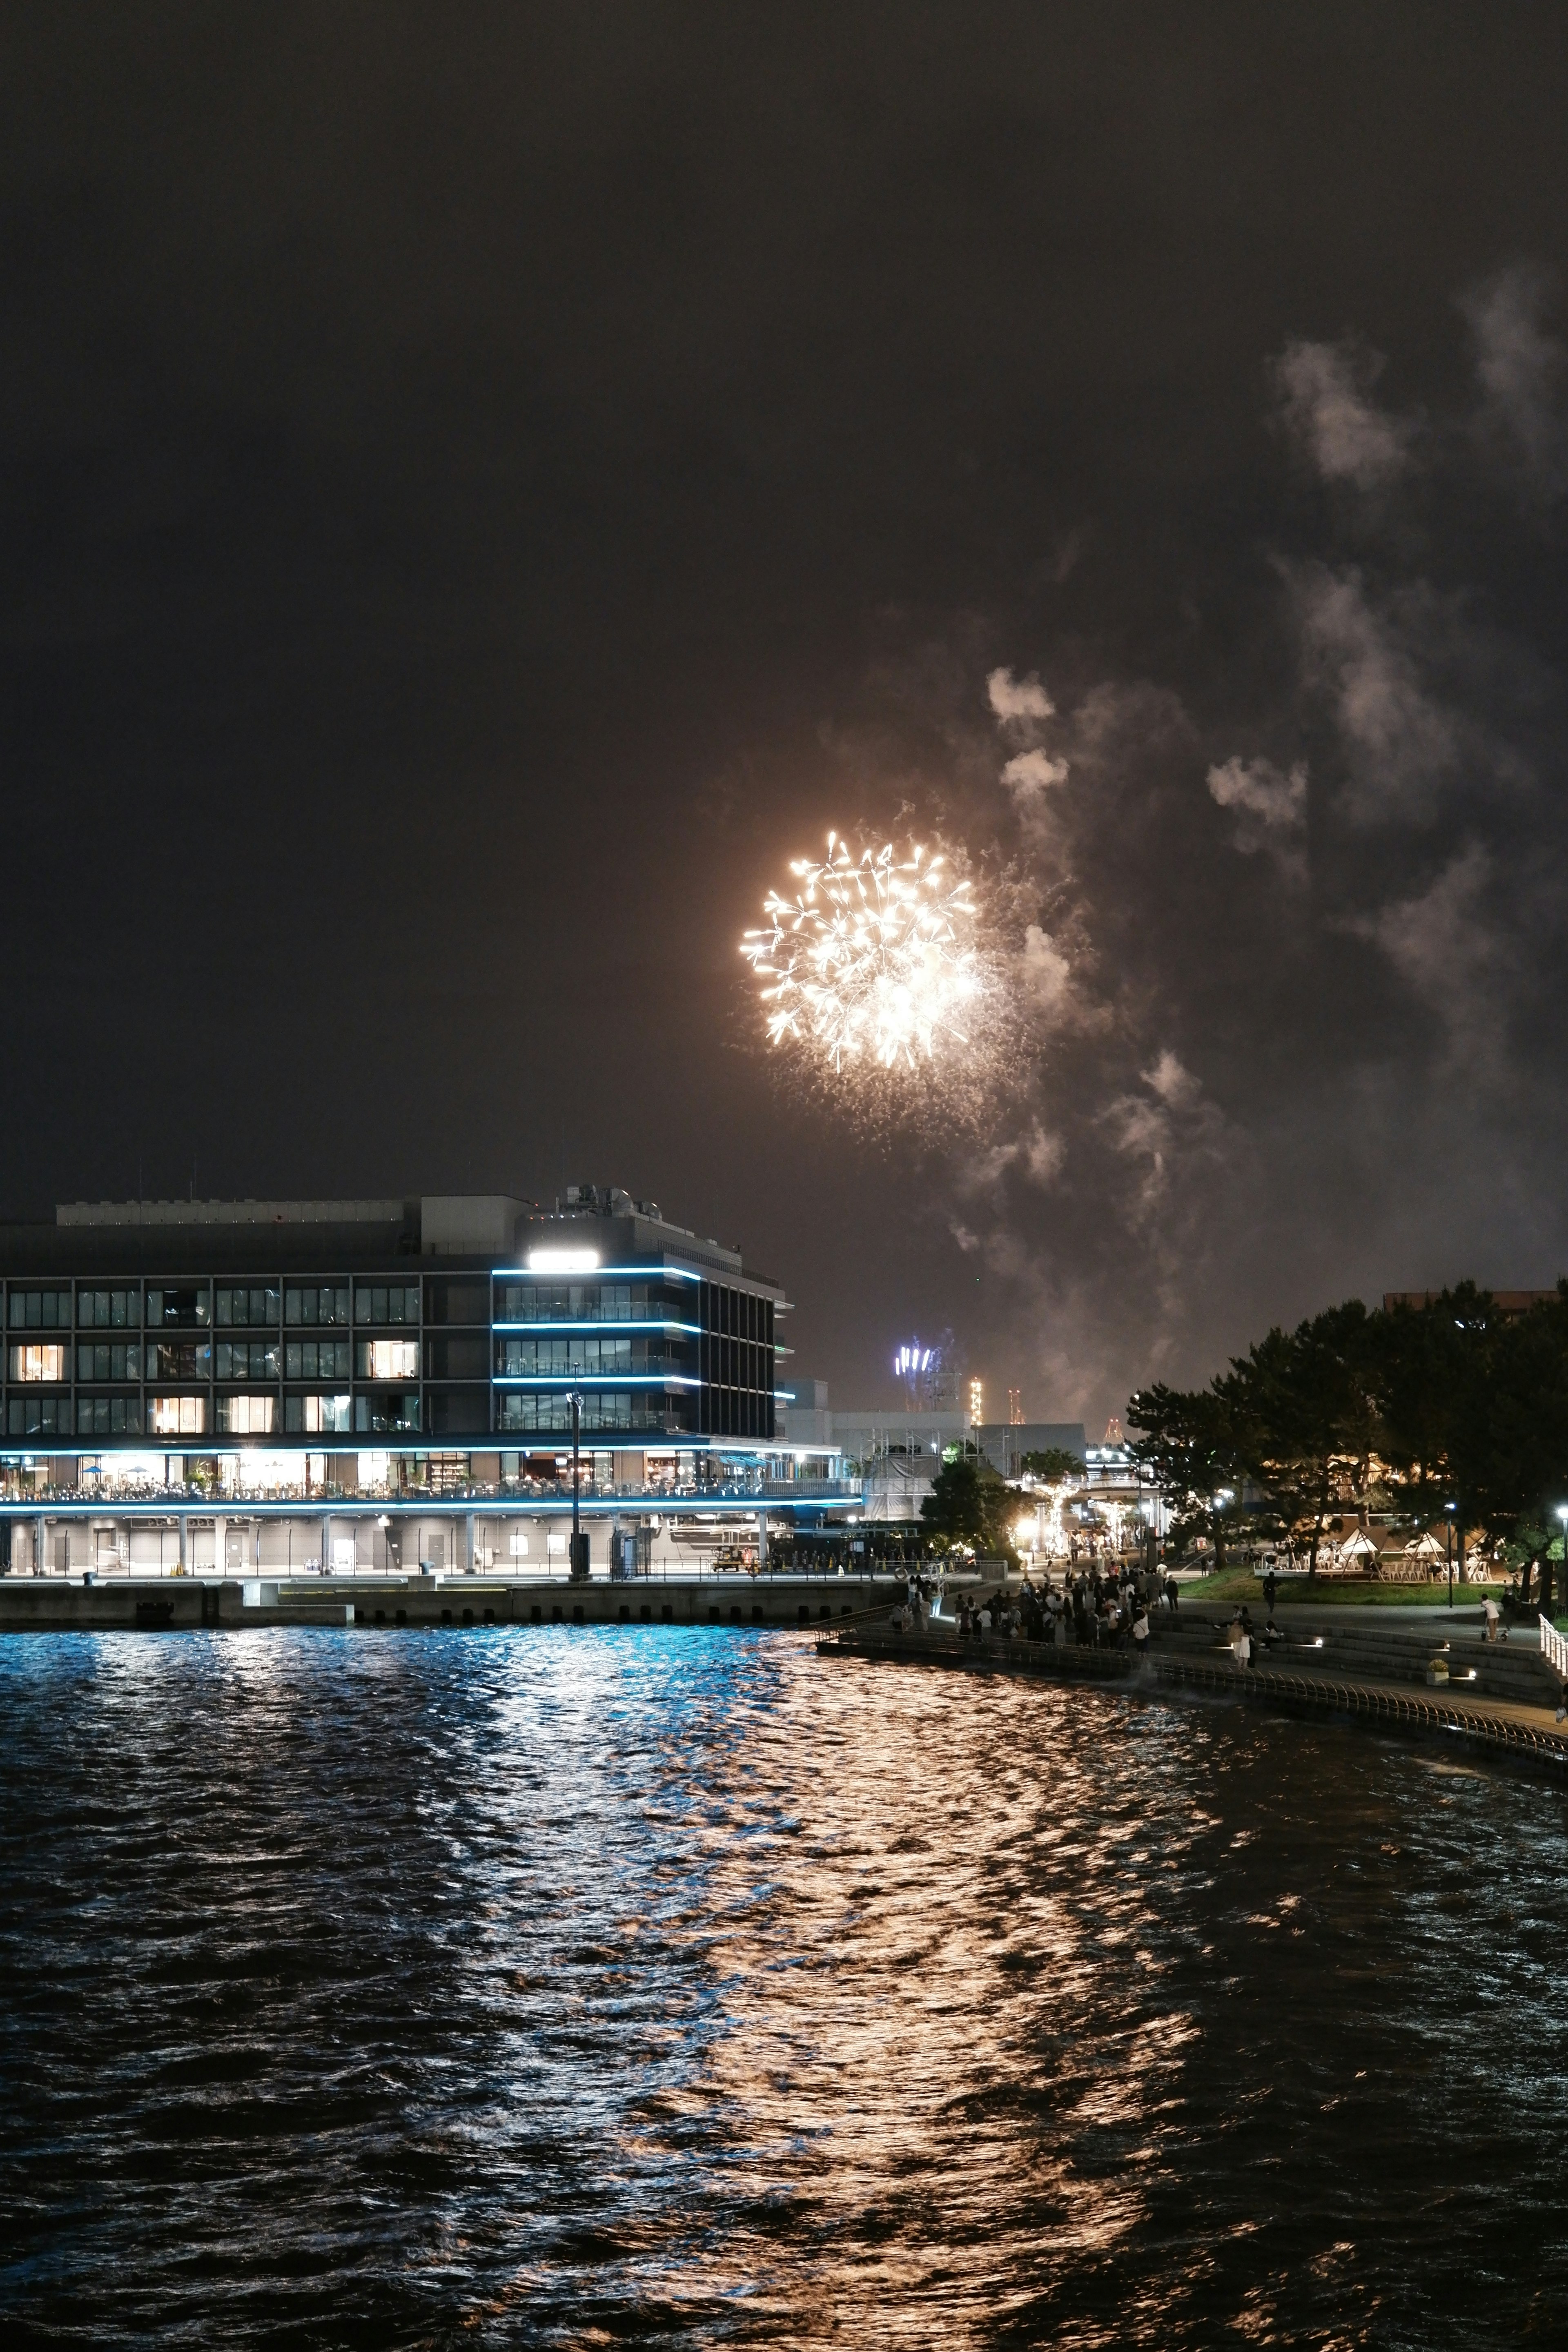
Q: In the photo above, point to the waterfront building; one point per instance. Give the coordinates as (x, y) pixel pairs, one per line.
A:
(394, 1357)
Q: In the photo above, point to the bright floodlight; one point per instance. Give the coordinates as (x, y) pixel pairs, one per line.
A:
(874, 959)
(563, 1261)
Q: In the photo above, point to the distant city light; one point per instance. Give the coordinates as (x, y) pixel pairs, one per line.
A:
(976, 1402)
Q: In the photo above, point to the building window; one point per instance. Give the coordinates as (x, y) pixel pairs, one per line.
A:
(105, 1416)
(388, 1412)
(582, 1302)
(179, 1359)
(39, 1416)
(108, 1311)
(602, 1409)
(246, 1359)
(108, 1359)
(178, 1416)
(40, 1363)
(249, 1416)
(180, 1310)
(48, 1310)
(388, 1360)
(386, 1303)
(323, 1302)
(313, 1414)
(315, 1359)
(520, 1358)
(238, 1307)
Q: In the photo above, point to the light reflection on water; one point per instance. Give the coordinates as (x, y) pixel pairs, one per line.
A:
(576, 1987)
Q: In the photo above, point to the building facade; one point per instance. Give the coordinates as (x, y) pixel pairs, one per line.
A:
(271, 1352)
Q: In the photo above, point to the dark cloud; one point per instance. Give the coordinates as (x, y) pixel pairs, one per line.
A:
(480, 489)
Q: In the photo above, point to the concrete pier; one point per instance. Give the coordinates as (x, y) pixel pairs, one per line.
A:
(164, 1603)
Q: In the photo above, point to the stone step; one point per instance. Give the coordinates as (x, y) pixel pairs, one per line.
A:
(1498, 1670)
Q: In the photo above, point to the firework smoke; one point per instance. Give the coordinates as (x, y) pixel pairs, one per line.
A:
(881, 983)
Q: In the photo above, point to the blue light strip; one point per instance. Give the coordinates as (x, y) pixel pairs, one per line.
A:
(514, 1507)
(606, 1323)
(566, 1382)
(598, 1273)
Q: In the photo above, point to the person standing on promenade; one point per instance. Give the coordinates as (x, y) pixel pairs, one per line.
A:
(1171, 1591)
(1270, 1587)
(1490, 1612)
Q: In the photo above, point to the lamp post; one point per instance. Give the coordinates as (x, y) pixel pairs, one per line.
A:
(1449, 1543)
(579, 1540)
(1563, 1523)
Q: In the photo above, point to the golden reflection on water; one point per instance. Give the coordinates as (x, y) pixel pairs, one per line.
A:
(576, 1987)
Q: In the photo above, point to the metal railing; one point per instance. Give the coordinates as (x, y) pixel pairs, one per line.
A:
(1554, 1648)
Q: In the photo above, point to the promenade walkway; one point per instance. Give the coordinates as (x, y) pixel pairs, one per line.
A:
(1298, 1681)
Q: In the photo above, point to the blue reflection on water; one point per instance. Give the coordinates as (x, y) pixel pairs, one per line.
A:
(561, 1986)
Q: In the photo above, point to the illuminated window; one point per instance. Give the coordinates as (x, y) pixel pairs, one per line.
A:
(39, 1364)
(178, 1416)
(247, 1416)
(389, 1359)
(309, 1415)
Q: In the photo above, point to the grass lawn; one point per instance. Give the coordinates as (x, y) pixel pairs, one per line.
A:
(1238, 1584)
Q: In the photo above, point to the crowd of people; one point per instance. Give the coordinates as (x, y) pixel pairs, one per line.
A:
(1096, 1606)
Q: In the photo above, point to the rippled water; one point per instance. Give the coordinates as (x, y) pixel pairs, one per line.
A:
(576, 1987)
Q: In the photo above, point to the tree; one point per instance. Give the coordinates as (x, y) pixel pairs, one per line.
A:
(1513, 1449)
(1053, 1466)
(1189, 1451)
(953, 1508)
(1303, 1405)
(969, 1503)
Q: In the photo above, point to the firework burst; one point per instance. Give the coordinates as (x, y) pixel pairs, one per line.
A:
(876, 972)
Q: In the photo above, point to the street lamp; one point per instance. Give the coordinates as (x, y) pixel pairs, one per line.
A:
(1448, 1542)
(579, 1565)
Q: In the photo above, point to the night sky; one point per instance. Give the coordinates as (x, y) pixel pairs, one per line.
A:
(482, 490)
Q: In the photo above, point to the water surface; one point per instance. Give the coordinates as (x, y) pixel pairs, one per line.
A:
(582, 1987)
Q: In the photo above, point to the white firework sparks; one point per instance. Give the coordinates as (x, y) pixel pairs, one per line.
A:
(876, 961)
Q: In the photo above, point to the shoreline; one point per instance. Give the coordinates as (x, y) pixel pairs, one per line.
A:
(1505, 1730)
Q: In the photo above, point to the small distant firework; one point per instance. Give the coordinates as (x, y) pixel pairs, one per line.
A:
(926, 1373)
(875, 964)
